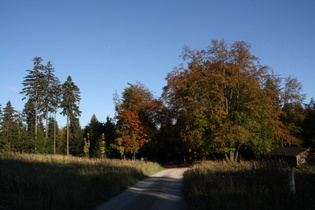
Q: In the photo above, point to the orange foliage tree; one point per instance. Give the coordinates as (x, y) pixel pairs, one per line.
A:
(223, 100)
(132, 132)
(138, 105)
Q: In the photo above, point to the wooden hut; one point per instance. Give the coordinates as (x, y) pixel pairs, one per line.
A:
(294, 156)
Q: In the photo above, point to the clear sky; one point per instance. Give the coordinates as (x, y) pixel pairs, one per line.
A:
(104, 44)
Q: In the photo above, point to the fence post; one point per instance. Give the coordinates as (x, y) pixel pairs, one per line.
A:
(253, 171)
(291, 181)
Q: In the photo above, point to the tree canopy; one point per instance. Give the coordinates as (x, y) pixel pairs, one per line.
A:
(220, 101)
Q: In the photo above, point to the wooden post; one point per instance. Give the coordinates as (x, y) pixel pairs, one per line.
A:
(292, 181)
(253, 170)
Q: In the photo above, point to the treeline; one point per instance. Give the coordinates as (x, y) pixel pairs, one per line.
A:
(219, 102)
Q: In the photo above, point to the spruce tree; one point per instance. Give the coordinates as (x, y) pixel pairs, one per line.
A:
(7, 125)
(33, 88)
(51, 93)
(69, 104)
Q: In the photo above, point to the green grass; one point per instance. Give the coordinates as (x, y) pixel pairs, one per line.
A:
(31, 181)
(218, 185)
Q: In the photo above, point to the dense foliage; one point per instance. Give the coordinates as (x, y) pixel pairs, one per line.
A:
(221, 101)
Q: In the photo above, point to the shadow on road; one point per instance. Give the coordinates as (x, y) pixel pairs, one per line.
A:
(160, 191)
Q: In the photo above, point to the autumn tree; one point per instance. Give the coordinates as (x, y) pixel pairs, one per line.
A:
(138, 98)
(131, 131)
(69, 104)
(220, 102)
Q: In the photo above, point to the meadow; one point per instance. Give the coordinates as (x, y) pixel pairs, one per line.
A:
(30, 181)
(248, 185)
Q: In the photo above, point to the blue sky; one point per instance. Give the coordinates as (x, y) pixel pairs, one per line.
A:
(104, 44)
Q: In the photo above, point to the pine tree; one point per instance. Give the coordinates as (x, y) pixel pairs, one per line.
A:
(69, 104)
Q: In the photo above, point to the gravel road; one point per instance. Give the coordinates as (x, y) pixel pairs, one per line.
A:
(162, 190)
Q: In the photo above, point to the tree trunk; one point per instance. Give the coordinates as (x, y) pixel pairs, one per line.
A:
(55, 133)
(68, 135)
(35, 122)
(46, 123)
(232, 156)
(36, 113)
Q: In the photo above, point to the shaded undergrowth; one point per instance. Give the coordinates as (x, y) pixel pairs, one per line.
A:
(59, 182)
(218, 185)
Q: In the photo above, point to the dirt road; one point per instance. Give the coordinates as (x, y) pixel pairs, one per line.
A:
(163, 190)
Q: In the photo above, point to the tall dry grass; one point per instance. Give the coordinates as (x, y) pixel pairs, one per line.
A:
(30, 181)
(220, 185)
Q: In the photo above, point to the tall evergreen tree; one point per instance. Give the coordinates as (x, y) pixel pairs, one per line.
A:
(8, 126)
(69, 104)
(76, 137)
(94, 129)
(33, 88)
(51, 93)
(53, 134)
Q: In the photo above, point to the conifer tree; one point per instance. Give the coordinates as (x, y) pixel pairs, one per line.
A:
(69, 104)
(95, 130)
(7, 126)
(33, 88)
(51, 93)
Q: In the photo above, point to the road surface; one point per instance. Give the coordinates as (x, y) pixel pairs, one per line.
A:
(162, 190)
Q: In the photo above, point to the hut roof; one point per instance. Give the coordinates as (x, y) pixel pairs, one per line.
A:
(288, 151)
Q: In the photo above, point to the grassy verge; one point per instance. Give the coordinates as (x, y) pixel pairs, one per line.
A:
(218, 185)
(31, 181)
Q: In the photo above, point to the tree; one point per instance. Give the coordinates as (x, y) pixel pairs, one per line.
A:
(110, 136)
(69, 104)
(76, 137)
(137, 98)
(292, 100)
(53, 135)
(8, 127)
(102, 146)
(86, 147)
(56, 100)
(132, 132)
(95, 129)
(308, 125)
(118, 145)
(51, 93)
(220, 101)
(33, 85)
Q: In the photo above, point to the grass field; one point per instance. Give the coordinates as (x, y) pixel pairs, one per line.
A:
(30, 181)
(218, 185)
